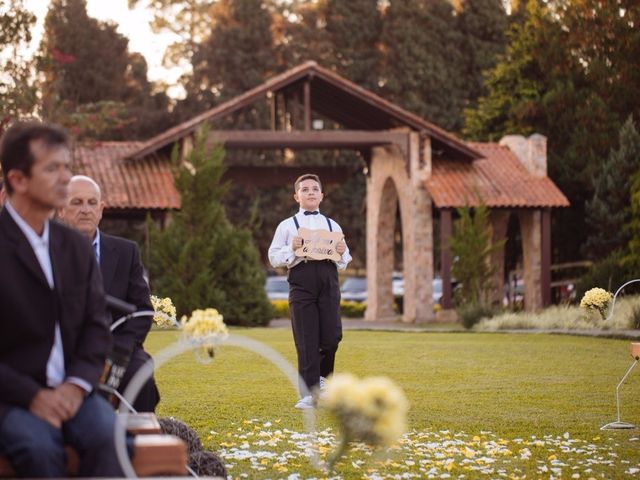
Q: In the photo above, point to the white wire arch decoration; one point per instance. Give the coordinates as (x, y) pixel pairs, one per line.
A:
(183, 345)
(615, 296)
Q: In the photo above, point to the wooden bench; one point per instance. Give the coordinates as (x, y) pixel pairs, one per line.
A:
(154, 454)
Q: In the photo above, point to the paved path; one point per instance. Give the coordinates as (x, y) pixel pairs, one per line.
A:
(397, 326)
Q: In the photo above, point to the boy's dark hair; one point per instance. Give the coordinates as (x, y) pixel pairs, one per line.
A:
(15, 146)
(306, 176)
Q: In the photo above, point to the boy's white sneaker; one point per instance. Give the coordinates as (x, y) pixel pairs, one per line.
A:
(305, 403)
(323, 384)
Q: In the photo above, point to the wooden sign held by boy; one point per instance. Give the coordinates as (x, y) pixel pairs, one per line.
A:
(319, 244)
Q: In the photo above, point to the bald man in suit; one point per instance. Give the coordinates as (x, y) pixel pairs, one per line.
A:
(122, 273)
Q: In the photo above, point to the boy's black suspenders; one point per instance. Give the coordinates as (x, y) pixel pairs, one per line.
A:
(295, 220)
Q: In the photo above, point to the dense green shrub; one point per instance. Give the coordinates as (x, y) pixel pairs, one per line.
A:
(352, 309)
(200, 259)
(472, 313)
(280, 308)
(609, 274)
(347, 309)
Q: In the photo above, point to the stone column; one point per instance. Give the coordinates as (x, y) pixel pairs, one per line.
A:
(499, 220)
(417, 228)
(531, 229)
(395, 178)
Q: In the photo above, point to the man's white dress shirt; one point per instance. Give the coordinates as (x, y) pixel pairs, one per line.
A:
(40, 245)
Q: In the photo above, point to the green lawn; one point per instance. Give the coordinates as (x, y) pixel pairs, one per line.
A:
(482, 406)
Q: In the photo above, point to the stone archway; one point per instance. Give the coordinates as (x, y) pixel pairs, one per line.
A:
(380, 270)
(398, 178)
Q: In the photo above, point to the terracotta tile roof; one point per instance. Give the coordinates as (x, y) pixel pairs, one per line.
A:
(499, 178)
(333, 96)
(141, 184)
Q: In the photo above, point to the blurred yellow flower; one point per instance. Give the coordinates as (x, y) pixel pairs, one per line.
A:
(372, 410)
(205, 327)
(163, 306)
(597, 299)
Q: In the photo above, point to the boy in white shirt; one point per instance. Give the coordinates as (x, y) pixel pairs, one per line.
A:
(314, 288)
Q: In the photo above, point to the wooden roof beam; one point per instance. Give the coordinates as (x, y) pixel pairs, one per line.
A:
(313, 139)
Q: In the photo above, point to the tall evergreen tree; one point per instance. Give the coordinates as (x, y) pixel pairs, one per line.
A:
(483, 25)
(17, 89)
(237, 55)
(354, 29)
(200, 260)
(423, 66)
(92, 84)
(189, 20)
(608, 211)
(84, 60)
(570, 73)
(303, 34)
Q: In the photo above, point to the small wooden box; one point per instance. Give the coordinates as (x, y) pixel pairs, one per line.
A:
(159, 455)
(140, 423)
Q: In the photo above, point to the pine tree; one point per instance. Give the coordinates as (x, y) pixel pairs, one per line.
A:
(189, 20)
(237, 55)
(423, 66)
(568, 73)
(83, 60)
(354, 29)
(608, 211)
(17, 89)
(200, 260)
(471, 247)
(92, 84)
(483, 25)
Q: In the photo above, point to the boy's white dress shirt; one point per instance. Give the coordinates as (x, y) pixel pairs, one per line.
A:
(281, 253)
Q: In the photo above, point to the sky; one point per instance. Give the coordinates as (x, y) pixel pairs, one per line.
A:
(133, 24)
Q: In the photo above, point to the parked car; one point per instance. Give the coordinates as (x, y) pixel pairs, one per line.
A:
(277, 287)
(436, 291)
(354, 289)
(397, 284)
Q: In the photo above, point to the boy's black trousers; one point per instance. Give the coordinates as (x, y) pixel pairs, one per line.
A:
(314, 302)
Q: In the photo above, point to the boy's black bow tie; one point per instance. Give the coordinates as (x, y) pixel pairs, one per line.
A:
(312, 213)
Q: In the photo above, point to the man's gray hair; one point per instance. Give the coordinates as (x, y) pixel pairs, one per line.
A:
(76, 178)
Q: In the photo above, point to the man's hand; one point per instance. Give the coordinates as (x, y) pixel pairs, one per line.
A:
(58, 405)
(341, 247)
(72, 396)
(296, 243)
(48, 405)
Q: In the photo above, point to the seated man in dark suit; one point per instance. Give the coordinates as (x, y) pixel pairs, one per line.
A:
(55, 333)
(122, 273)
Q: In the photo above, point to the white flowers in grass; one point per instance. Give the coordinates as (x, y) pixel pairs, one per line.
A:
(597, 299)
(371, 410)
(163, 306)
(205, 327)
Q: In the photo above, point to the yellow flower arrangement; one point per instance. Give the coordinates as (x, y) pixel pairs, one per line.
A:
(597, 299)
(163, 306)
(205, 327)
(372, 410)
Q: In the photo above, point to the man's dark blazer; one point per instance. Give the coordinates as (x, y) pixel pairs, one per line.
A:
(29, 310)
(122, 273)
